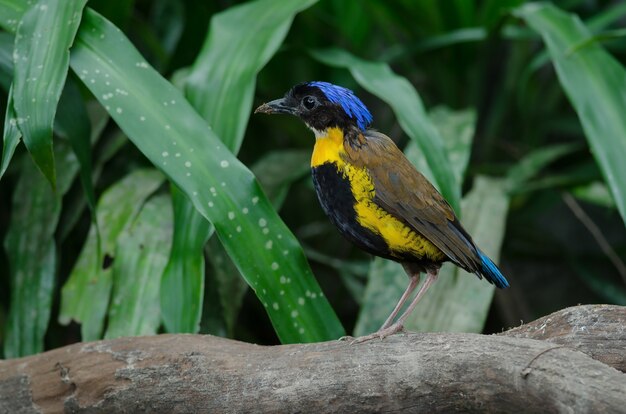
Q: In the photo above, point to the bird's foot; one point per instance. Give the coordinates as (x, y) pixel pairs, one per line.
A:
(380, 334)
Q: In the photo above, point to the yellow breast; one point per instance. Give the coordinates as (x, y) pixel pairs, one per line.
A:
(400, 238)
(328, 148)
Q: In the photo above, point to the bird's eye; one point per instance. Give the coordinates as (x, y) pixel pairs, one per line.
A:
(309, 102)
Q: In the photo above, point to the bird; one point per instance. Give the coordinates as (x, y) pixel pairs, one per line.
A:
(376, 198)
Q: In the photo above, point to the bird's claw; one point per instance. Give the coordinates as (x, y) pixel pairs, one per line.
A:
(380, 334)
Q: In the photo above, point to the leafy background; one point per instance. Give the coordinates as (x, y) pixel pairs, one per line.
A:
(138, 195)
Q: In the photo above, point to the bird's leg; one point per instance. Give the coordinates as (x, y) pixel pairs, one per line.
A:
(431, 277)
(414, 280)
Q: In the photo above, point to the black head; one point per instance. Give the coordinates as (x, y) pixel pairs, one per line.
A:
(321, 105)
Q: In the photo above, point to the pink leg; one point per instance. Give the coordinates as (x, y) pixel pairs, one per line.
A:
(430, 279)
(413, 282)
(399, 325)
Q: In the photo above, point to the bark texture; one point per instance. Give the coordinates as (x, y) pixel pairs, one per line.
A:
(417, 372)
(597, 330)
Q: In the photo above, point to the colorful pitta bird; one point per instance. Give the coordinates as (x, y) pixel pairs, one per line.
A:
(375, 196)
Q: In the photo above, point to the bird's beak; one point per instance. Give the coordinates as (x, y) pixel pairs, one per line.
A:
(276, 106)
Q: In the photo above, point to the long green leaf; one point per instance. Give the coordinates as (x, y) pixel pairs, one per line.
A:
(222, 80)
(457, 131)
(275, 172)
(141, 255)
(596, 193)
(72, 122)
(11, 135)
(7, 42)
(220, 86)
(529, 166)
(99, 118)
(379, 79)
(41, 58)
(228, 284)
(11, 12)
(594, 82)
(31, 250)
(182, 285)
(85, 296)
(163, 125)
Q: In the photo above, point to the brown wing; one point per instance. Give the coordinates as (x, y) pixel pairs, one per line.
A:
(405, 193)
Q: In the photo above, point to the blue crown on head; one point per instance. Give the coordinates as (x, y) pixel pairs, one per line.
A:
(352, 105)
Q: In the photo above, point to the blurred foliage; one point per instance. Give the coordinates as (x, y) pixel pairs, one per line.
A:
(468, 88)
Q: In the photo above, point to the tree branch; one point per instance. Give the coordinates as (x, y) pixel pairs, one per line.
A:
(435, 372)
(597, 330)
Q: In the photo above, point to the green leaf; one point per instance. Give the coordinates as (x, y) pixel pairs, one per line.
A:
(456, 128)
(72, 122)
(11, 135)
(11, 12)
(140, 258)
(85, 296)
(596, 193)
(276, 171)
(222, 80)
(220, 85)
(398, 93)
(110, 146)
(529, 166)
(607, 17)
(41, 58)
(229, 284)
(182, 285)
(213, 320)
(459, 301)
(32, 253)
(594, 82)
(7, 42)
(457, 131)
(163, 125)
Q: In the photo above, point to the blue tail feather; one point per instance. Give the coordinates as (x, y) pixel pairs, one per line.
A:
(491, 272)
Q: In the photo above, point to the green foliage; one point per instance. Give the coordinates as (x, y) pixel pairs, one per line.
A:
(32, 263)
(41, 56)
(141, 253)
(163, 208)
(594, 81)
(11, 135)
(221, 188)
(182, 283)
(85, 295)
(220, 86)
